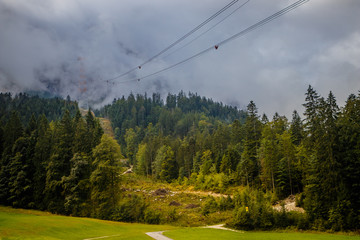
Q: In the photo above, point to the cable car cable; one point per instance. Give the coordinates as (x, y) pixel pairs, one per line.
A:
(233, 37)
(202, 34)
(177, 41)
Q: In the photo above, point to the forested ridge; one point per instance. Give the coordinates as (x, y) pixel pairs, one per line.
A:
(68, 166)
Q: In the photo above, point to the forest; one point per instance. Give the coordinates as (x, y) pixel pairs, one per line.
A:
(54, 159)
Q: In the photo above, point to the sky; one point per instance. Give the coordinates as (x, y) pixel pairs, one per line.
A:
(73, 47)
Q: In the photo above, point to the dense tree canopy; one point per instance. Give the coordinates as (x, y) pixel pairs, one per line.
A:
(52, 158)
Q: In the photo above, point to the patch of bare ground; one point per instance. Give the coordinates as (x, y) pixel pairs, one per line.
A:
(106, 126)
(289, 205)
(205, 194)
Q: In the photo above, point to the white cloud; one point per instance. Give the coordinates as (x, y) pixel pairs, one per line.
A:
(316, 44)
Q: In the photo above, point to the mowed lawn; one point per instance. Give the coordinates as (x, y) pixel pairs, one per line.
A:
(215, 234)
(29, 224)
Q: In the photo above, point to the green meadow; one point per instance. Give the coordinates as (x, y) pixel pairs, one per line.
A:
(30, 224)
(214, 234)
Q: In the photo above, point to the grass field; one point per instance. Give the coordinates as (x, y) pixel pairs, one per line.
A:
(29, 224)
(215, 234)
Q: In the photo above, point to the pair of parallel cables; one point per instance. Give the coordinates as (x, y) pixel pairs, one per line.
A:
(216, 46)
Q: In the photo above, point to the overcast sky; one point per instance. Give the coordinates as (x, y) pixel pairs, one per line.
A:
(71, 47)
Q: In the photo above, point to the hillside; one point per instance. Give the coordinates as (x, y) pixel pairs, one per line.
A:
(69, 166)
(104, 122)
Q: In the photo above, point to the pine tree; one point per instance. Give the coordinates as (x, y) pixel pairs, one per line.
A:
(140, 166)
(269, 156)
(296, 128)
(169, 168)
(58, 166)
(349, 162)
(105, 178)
(12, 131)
(249, 166)
(312, 121)
(41, 158)
(77, 186)
(82, 142)
(20, 178)
(130, 139)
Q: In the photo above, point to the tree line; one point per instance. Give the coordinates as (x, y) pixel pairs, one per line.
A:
(65, 166)
(26, 105)
(69, 166)
(316, 157)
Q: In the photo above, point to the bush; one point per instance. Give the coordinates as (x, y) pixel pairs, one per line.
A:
(242, 219)
(172, 215)
(151, 216)
(254, 211)
(209, 206)
(130, 209)
(226, 203)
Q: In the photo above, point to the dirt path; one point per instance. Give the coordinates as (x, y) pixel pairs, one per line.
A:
(158, 235)
(199, 193)
(101, 237)
(221, 227)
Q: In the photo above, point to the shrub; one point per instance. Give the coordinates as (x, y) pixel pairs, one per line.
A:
(151, 216)
(226, 203)
(242, 219)
(172, 215)
(130, 209)
(209, 206)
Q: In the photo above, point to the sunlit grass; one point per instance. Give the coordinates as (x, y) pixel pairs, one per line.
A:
(29, 224)
(215, 234)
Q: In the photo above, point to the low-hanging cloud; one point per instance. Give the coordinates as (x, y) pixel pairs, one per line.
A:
(73, 47)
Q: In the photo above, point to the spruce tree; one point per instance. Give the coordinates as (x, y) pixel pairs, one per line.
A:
(249, 166)
(105, 178)
(41, 158)
(12, 131)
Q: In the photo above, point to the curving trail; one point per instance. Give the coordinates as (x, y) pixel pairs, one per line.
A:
(158, 235)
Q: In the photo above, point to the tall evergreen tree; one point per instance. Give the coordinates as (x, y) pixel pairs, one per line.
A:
(249, 166)
(348, 156)
(12, 131)
(105, 178)
(77, 187)
(296, 128)
(169, 168)
(41, 158)
(59, 164)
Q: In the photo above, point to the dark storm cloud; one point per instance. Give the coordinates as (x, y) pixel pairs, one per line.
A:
(72, 47)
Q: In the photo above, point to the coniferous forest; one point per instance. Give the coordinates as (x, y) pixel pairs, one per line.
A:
(55, 159)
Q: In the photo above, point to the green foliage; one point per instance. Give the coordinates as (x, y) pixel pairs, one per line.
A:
(105, 178)
(132, 209)
(27, 106)
(140, 164)
(210, 205)
(151, 216)
(168, 166)
(253, 211)
(67, 166)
